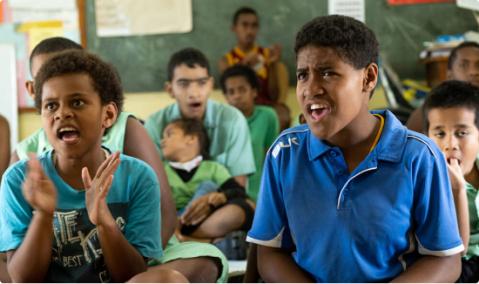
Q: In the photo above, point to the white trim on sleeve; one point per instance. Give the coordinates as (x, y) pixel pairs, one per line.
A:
(452, 251)
(275, 242)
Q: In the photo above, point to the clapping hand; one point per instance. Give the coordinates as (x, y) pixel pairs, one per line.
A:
(98, 188)
(38, 189)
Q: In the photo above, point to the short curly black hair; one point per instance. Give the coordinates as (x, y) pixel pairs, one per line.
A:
(194, 127)
(453, 56)
(451, 94)
(239, 70)
(189, 56)
(354, 42)
(104, 76)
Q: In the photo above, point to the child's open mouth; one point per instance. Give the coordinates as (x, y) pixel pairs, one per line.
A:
(195, 105)
(68, 134)
(318, 111)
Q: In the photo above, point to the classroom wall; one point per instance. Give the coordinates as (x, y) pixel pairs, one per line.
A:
(401, 31)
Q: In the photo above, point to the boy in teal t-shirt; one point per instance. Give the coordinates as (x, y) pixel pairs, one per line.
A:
(451, 119)
(66, 210)
(240, 87)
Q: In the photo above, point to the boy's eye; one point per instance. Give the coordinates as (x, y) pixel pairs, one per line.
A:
(50, 106)
(461, 133)
(439, 134)
(77, 103)
(202, 82)
(183, 83)
(326, 73)
(301, 76)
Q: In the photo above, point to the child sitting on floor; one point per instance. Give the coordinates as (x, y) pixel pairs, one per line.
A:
(210, 202)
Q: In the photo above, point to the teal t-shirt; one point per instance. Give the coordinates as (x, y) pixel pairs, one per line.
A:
(230, 143)
(38, 143)
(184, 191)
(473, 205)
(264, 128)
(133, 200)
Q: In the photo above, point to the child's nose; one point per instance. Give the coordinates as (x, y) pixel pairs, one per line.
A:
(451, 144)
(63, 112)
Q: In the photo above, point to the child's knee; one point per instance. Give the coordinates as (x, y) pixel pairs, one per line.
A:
(159, 275)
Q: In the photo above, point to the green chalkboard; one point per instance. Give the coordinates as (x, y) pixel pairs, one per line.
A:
(141, 60)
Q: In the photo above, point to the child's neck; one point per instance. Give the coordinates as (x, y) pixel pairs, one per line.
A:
(473, 177)
(70, 168)
(246, 47)
(248, 112)
(356, 139)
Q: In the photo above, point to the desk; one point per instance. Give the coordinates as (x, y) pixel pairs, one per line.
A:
(436, 70)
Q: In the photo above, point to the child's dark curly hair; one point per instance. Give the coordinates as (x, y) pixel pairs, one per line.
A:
(103, 75)
(354, 42)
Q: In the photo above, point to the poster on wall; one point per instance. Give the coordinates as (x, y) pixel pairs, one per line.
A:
(142, 17)
(24, 23)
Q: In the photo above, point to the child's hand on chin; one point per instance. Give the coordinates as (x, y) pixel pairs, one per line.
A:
(97, 190)
(38, 189)
(458, 183)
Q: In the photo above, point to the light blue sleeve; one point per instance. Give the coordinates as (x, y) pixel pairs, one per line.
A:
(154, 128)
(270, 225)
(434, 213)
(15, 212)
(143, 227)
(239, 159)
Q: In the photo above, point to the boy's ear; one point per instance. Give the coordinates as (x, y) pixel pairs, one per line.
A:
(370, 78)
(30, 89)
(449, 74)
(111, 114)
(255, 92)
(211, 82)
(169, 89)
(191, 139)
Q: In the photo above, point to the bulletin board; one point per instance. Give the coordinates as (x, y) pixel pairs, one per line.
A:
(24, 23)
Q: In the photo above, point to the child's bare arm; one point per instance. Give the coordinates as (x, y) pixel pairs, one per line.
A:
(277, 265)
(40, 193)
(4, 145)
(458, 185)
(242, 180)
(121, 258)
(432, 269)
(138, 144)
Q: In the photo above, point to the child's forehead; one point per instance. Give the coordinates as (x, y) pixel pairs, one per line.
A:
(237, 79)
(184, 71)
(451, 115)
(246, 17)
(320, 55)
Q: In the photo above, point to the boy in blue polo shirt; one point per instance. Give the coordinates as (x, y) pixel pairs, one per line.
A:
(351, 196)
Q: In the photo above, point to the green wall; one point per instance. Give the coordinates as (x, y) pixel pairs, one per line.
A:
(142, 60)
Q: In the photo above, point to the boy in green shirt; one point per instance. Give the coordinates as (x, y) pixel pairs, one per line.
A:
(240, 86)
(451, 113)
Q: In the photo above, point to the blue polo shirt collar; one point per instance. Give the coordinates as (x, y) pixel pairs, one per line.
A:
(393, 137)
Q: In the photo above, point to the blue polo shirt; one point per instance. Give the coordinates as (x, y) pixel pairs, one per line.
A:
(364, 226)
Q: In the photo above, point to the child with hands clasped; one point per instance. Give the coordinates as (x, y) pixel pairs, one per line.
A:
(451, 113)
(82, 214)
